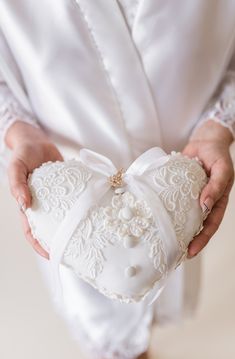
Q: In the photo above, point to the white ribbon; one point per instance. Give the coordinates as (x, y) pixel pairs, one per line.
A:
(150, 159)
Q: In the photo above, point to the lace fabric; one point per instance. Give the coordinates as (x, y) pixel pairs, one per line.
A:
(179, 182)
(104, 226)
(10, 112)
(221, 108)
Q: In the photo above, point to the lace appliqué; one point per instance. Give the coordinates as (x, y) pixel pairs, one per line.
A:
(10, 112)
(128, 216)
(89, 240)
(179, 181)
(222, 107)
(131, 217)
(103, 226)
(58, 186)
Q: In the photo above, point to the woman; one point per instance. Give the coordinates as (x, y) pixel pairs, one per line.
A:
(120, 77)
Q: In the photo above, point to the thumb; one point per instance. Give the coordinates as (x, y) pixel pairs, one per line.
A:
(215, 188)
(17, 174)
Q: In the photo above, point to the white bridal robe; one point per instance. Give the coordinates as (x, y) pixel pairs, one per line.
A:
(117, 77)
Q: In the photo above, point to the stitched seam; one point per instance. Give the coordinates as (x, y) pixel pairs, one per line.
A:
(135, 12)
(106, 72)
(130, 17)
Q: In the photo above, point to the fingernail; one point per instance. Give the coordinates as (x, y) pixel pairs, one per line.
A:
(21, 204)
(207, 206)
(205, 215)
(43, 253)
(191, 255)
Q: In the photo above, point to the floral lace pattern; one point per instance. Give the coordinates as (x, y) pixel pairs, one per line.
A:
(58, 186)
(11, 111)
(126, 216)
(179, 181)
(222, 107)
(89, 240)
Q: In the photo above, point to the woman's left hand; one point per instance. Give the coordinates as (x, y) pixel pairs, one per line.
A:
(210, 143)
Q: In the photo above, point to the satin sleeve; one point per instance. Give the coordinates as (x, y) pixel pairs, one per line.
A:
(11, 111)
(221, 107)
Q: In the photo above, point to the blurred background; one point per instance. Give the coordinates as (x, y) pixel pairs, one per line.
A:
(30, 328)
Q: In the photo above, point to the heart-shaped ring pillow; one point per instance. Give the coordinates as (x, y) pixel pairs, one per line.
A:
(123, 231)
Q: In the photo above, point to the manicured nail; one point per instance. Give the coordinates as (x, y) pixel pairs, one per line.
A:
(43, 253)
(191, 255)
(207, 206)
(21, 203)
(205, 215)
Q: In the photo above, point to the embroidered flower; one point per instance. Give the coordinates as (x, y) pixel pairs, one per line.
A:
(58, 186)
(179, 181)
(128, 216)
(89, 240)
(108, 225)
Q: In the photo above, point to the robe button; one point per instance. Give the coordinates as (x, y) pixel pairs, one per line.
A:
(130, 271)
(129, 241)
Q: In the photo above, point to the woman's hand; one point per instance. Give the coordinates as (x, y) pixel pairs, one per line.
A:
(30, 148)
(210, 143)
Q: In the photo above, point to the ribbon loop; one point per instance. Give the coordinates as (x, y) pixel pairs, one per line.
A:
(97, 162)
(150, 159)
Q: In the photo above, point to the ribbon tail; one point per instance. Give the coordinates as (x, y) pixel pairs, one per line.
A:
(156, 290)
(99, 164)
(67, 228)
(167, 234)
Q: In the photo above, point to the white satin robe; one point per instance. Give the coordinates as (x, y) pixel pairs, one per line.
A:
(118, 77)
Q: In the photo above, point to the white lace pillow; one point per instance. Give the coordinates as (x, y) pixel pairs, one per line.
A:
(121, 231)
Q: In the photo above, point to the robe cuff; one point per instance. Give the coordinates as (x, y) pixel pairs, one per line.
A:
(221, 108)
(10, 112)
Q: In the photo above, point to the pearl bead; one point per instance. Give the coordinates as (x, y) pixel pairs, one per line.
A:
(126, 213)
(46, 163)
(130, 271)
(129, 241)
(119, 190)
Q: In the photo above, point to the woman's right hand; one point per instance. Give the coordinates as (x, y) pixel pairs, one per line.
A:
(30, 148)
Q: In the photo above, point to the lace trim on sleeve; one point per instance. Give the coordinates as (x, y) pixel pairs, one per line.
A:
(222, 106)
(10, 112)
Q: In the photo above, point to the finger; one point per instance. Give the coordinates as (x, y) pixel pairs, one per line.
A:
(34, 243)
(17, 174)
(220, 177)
(190, 151)
(211, 225)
